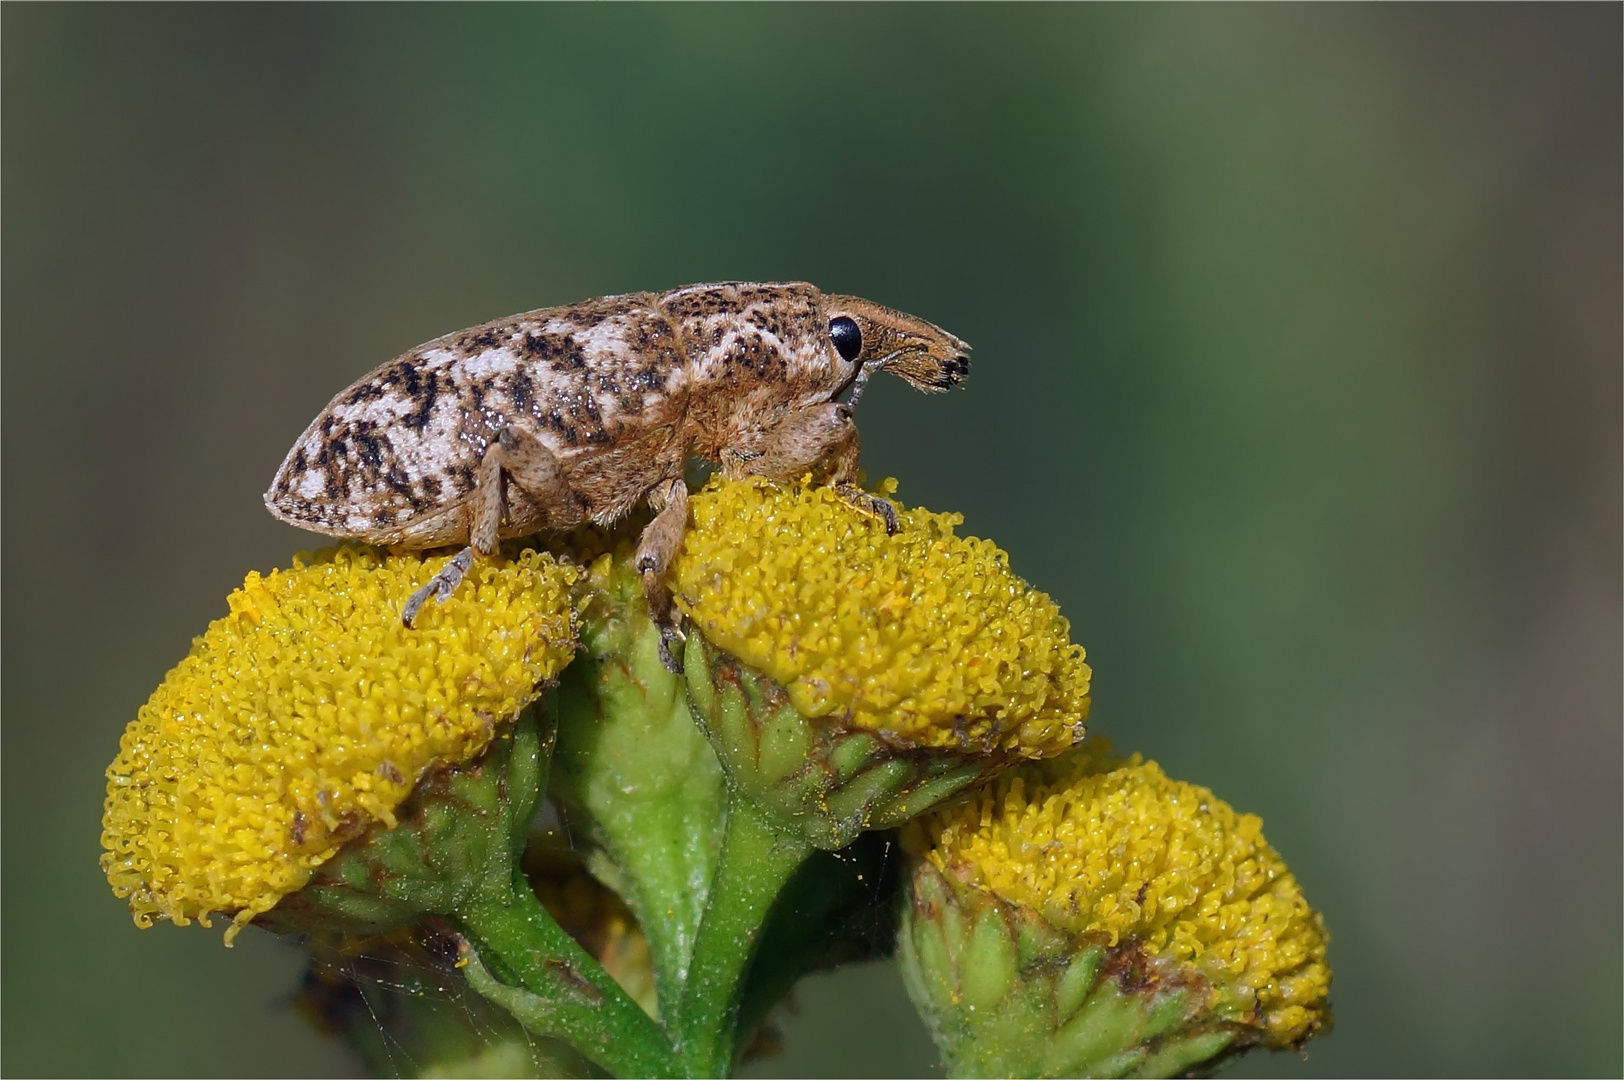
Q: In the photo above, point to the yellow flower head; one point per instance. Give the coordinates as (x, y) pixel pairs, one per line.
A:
(308, 713)
(1130, 854)
(925, 638)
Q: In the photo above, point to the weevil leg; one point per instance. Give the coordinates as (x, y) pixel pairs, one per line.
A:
(823, 435)
(658, 545)
(440, 586)
(870, 503)
(843, 470)
(813, 436)
(484, 514)
(531, 467)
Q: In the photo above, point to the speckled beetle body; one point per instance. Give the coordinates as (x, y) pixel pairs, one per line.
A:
(555, 417)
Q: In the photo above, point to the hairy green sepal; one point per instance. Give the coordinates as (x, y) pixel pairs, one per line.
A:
(454, 853)
(1004, 993)
(813, 776)
(456, 842)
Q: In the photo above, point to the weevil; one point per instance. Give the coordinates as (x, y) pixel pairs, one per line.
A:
(556, 417)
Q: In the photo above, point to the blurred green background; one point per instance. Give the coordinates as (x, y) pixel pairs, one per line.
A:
(1297, 383)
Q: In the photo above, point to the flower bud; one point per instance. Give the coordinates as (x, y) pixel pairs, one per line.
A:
(1078, 919)
(303, 719)
(849, 679)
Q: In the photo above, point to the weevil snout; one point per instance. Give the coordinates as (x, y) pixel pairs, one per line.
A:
(922, 353)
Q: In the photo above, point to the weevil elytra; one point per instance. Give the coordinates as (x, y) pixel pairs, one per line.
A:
(556, 417)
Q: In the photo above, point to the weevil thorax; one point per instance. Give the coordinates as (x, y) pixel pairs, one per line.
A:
(755, 352)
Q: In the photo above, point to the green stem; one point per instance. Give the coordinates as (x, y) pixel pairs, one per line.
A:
(631, 757)
(843, 912)
(555, 988)
(635, 771)
(756, 861)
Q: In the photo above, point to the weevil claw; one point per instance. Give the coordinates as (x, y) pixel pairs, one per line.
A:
(889, 513)
(440, 586)
(872, 504)
(672, 660)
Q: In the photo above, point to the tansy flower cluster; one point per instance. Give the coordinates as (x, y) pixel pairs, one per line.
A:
(315, 761)
(1126, 853)
(924, 637)
(308, 713)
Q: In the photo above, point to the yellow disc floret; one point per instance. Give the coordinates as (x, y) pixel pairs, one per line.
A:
(924, 637)
(309, 713)
(1129, 854)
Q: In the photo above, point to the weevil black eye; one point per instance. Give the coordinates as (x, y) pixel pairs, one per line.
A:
(847, 338)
